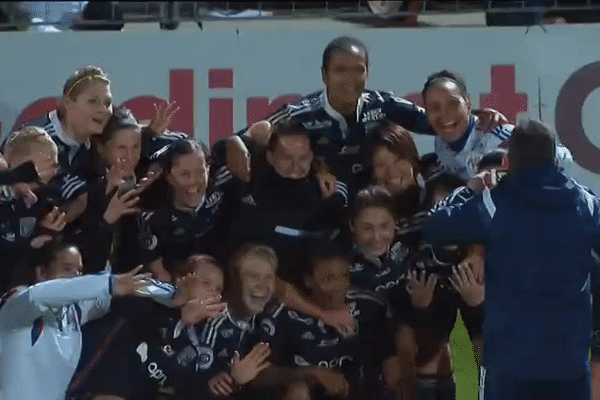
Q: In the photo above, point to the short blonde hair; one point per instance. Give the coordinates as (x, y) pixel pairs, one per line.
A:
(19, 143)
(261, 251)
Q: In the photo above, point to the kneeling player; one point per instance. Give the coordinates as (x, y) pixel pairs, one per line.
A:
(218, 357)
(40, 325)
(137, 358)
(314, 361)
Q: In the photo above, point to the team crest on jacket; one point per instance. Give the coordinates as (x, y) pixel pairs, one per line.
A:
(214, 199)
(149, 242)
(268, 326)
(373, 115)
(205, 358)
(356, 267)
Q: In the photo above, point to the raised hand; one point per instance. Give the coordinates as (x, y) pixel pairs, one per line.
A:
(55, 220)
(121, 204)
(163, 117)
(481, 181)
(490, 119)
(129, 283)
(197, 310)
(475, 261)
(420, 290)
(260, 132)
(244, 370)
(465, 283)
(117, 174)
(238, 158)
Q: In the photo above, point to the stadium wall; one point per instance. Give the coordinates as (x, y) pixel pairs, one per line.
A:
(224, 80)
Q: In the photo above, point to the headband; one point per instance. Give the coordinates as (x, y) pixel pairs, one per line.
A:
(86, 77)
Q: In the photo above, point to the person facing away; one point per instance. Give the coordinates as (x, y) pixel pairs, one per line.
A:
(540, 230)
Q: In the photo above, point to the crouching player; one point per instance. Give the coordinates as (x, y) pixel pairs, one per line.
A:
(219, 356)
(313, 361)
(135, 359)
(40, 325)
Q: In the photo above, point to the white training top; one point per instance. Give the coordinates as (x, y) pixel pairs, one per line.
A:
(464, 163)
(40, 332)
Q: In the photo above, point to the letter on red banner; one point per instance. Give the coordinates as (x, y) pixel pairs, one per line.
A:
(181, 91)
(503, 96)
(568, 118)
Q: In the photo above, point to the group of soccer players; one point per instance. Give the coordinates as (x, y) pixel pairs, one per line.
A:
(286, 262)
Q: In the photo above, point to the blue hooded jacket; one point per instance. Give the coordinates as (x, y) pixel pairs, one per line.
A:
(540, 229)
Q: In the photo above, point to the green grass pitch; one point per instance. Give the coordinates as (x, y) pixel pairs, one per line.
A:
(463, 360)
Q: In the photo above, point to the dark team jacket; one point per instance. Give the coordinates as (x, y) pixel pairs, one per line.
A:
(200, 352)
(76, 165)
(539, 228)
(283, 213)
(421, 256)
(19, 224)
(99, 241)
(378, 275)
(138, 334)
(339, 140)
(304, 341)
(174, 234)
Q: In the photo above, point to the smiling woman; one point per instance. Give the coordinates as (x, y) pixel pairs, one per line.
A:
(83, 110)
(461, 139)
(86, 104)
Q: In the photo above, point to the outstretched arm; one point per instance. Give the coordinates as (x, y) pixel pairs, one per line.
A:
(288, 294)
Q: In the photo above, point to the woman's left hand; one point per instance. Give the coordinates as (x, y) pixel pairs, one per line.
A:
(490, 119)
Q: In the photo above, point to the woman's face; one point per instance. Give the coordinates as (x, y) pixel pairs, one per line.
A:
(392, 172)
(189, 177)
(448, 110)
(123, 149)
(373, 229)
(345, 77)
(257, 283)
(89, 113)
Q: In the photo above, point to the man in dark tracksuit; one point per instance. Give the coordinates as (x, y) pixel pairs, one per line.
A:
(540, 230)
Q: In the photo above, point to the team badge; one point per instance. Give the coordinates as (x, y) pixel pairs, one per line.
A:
(168, 350)
(357, 267)
(214, 199)
(268, 326)
(149, 242)
(205, 358)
